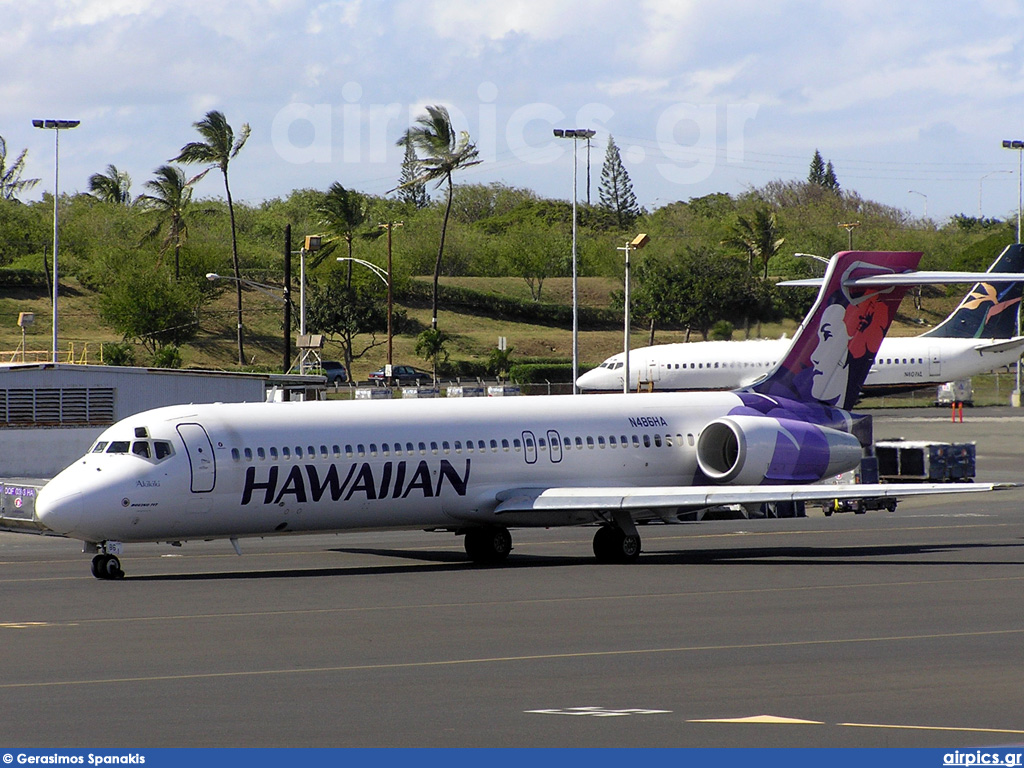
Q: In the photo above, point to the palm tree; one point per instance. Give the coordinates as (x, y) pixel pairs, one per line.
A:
(439, 153)
(757, 237)
(218, 149)
(112, 187)
(11, 182)
(171, 197)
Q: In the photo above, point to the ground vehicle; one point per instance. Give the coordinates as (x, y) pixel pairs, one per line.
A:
(400, 374)
(334, 371)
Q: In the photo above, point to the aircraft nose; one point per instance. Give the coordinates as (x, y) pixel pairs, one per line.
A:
(57, 510)
(595, 379)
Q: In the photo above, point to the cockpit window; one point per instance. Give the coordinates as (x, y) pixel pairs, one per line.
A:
(98, 448)
(141, 448)
(119, 446)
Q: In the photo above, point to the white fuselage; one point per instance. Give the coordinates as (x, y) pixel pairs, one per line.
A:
(901, 363)
(236, 470)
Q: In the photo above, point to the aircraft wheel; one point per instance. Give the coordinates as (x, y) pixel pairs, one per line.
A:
(611, 545)
(488, 545)
(107, 567)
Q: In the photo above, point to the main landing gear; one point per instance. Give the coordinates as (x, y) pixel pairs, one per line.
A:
(613, 545)
(488, 545)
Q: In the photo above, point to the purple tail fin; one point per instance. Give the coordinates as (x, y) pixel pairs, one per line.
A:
(836, 344)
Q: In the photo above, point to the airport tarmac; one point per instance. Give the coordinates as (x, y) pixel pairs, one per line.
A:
(885, 629)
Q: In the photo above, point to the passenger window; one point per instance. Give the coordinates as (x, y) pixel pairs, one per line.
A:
(373, 449)
(445, 446)
(248, 454)
(323, 451)
(423, 448)
(261, 454)
(494, 446)
(590, 441)
(504, 445)
(480, 445)
(286, 455)
(298, 452)
(657, 441)
(433, 447)
(517, 445)
(636, 441)
(348, 452)
(273, 453)
(235, 455)
(337, 451)
(611, 441)
(458, 446)
(600, 441)
(647, 441)
(361, 450)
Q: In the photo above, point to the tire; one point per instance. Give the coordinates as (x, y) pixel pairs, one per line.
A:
(488, 545)
(611, 545)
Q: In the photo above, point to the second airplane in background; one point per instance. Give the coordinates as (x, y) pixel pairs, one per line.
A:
(978, 337)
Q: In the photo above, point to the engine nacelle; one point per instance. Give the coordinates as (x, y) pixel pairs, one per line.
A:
(756, 450)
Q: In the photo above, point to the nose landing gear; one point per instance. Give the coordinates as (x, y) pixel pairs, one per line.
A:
(106, 565)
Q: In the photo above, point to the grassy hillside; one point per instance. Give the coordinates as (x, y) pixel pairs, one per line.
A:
(82, 333)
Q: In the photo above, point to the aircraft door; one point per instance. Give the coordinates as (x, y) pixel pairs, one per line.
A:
(200, 457)
(555, 446)
(530, 447)
(934, 361)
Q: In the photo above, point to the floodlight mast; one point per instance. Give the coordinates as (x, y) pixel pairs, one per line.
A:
(574, 134)
(56, 126)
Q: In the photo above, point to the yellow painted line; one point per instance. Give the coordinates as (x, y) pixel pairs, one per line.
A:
(931, 728)
(24, 624)
(507, 659)
(766, 719)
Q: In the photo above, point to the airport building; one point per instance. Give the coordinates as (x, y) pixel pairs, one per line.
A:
(50, 413)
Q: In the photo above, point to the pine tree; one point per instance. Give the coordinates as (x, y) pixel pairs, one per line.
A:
(410, 192)
(616, 190)
(816, 175)
(830, 181)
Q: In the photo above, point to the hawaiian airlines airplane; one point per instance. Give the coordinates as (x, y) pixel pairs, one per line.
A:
(979, 336)
(478, 467)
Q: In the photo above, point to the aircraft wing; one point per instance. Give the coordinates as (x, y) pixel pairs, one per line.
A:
(702, 496)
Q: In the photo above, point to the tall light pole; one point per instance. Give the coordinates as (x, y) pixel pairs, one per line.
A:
(574, 134)
(1019, 146)
(56, 126)
(635, 244)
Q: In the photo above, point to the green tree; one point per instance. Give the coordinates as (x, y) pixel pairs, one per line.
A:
(171, 201)
(534, 252)
(757, 237)
(346, 309)
(616, 190)
(410, 191)
(816, 173)
(144, 305)
(218, 148)
(430, 345)
(11, 183)
(114, 186)
(344, 212)
(439, 153)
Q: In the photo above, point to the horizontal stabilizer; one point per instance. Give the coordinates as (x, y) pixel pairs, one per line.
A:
(915, 278)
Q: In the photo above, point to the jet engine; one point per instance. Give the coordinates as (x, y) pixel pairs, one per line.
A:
(756, 450)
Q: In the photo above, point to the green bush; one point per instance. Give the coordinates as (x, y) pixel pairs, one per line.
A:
(167, 357)
(118, 353)
(22, 278)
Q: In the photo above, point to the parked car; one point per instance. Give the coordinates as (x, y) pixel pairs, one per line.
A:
(401, 374)
(334, 371)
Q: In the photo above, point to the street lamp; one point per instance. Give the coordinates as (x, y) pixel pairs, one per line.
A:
(56, 126)
(385, 275)
(922, 194)
(635, 244)
(574, 134)
(849, 227)
(990, 173)
(1018, 145)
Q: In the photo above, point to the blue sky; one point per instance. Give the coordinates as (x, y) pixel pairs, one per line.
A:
(700, 97)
